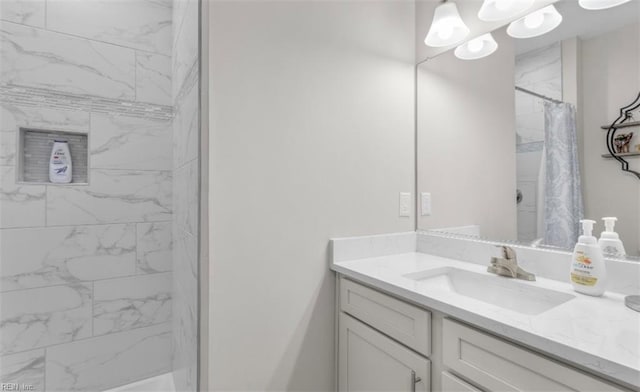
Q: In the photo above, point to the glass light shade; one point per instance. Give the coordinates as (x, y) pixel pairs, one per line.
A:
(497, 10)
(447, 27)
(600, 4)
(477, 48)
(536, 23)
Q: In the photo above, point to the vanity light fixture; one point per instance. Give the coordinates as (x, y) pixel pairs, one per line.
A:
(536, 23)
(447, 27)
(497, 10)
(600, 4)
(477, 48)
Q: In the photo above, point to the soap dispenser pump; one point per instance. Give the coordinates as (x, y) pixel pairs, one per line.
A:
(588, 273)
(610, 242)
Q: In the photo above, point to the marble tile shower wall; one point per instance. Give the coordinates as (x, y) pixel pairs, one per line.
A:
(186, 193)
(86, 270)
(539, 70)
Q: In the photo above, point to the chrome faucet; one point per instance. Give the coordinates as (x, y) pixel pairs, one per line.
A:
(507, 265)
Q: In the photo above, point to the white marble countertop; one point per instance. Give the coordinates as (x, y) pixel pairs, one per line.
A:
(599, 334)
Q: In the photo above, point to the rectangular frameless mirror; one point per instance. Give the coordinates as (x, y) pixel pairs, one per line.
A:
(511, 146)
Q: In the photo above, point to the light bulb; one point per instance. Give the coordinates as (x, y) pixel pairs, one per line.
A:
(447, 28)
(475, 45)
(477, 48)
(503, 5)
(600, 4)
(535, 20)
(445, 31)
(501, 10)
(535, 24)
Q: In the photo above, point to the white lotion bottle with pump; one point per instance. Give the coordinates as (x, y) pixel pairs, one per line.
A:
(60, 170)
(588, 272)
(609, 241)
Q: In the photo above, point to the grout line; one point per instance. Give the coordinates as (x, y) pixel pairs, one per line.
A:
(44, 371)
(136, 242)
(47, 347)
(48, 30)
(93, 308)
(135, 75)
(83, 225)
(87, 282)
(46, 204)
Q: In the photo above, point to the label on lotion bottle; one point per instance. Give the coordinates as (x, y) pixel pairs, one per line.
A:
(582, 268)
(588, 273)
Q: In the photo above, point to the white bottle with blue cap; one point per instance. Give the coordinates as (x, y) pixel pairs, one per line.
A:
(588, 272)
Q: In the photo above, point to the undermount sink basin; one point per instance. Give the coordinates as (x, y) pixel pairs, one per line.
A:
(499, 291)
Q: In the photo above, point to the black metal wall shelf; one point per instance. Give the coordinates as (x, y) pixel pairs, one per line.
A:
(623, 154)
(623, 121)
(623, 125)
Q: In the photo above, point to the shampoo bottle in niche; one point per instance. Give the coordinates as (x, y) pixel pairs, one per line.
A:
(60, 163)
(588, 273)
(610, 240)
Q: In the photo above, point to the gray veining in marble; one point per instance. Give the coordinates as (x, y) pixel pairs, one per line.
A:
(40, 58)
(12, 117)
(108, 361)
(185, 142)
(45, 316)
(8, 148)
(155, 247)
(153, 78)
(185, 315)
(65, 254)
(133, 302)
(121, 142)
(186, 194)
(141, 24)
(113, 196)
(26, 368)
(28, 12)
(186, 198)
(185, 43)
(540, 71)
(20, 205)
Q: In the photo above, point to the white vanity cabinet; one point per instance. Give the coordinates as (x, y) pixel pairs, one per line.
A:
(371, 361)
(383, 342)
(496, 365)
(388, 344)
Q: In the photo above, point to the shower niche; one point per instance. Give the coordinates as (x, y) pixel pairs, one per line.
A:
(34, 147)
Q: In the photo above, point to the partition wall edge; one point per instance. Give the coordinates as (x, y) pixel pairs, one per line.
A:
(204, 182)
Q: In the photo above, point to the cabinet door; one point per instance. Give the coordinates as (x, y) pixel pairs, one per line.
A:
(496, 365)
(371, 361)
(451, 383)
(408, 324)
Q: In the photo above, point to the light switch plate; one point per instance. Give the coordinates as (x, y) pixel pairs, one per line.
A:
(425, 203)
(405, 204)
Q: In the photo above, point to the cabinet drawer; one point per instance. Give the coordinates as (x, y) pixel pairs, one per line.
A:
(406, 323)
(451, 383)
(370, 361)
(495, 365)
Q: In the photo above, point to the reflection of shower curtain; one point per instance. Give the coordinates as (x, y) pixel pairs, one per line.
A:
(562, 191)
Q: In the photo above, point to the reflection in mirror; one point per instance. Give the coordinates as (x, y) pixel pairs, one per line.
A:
(510, 146)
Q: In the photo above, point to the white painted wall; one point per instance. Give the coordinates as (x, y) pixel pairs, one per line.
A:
(311, 138)
(466, 141)
(610, 70)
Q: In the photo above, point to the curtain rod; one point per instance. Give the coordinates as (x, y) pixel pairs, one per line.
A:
(524, 90)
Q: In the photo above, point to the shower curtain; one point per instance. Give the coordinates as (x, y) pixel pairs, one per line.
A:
(563, 207)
